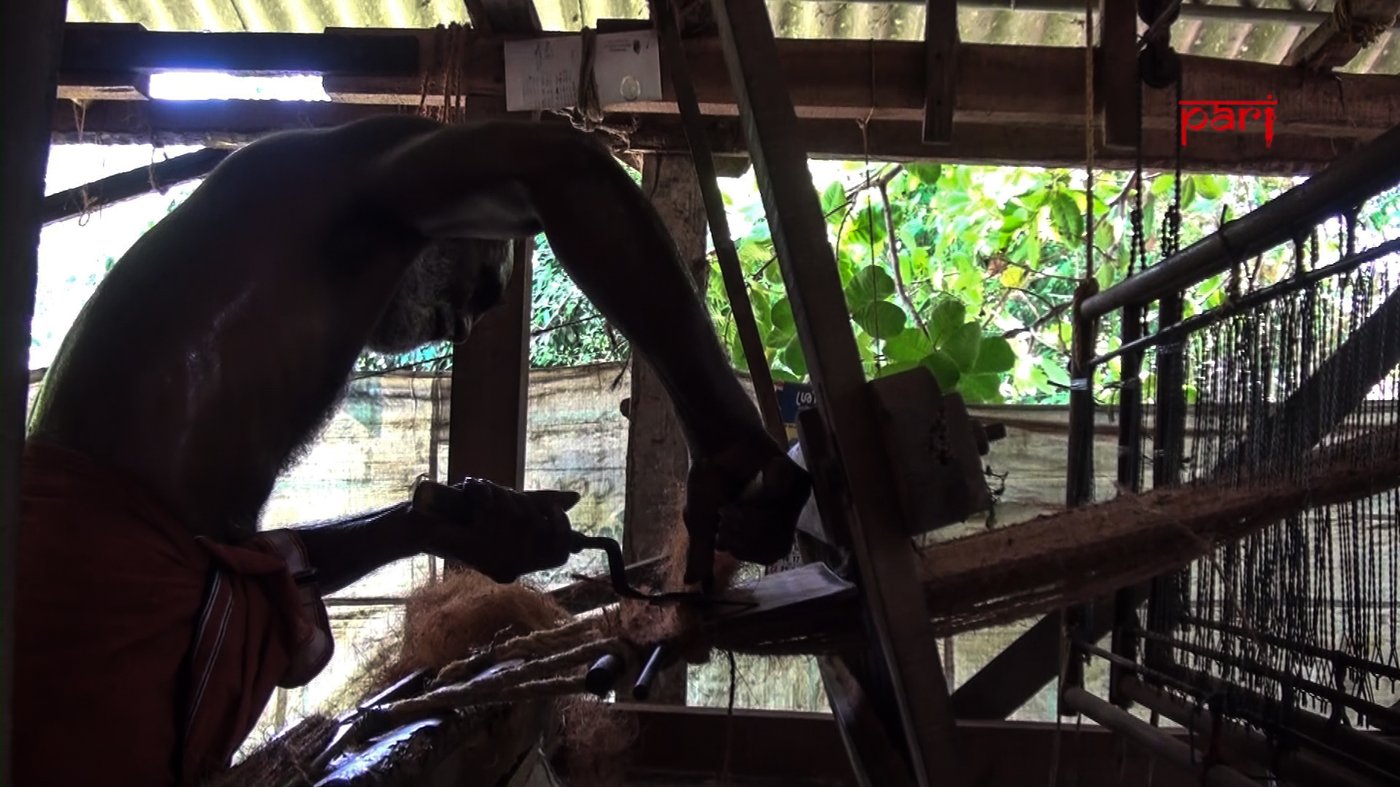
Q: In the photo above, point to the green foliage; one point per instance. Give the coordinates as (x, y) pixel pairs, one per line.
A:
(975, 280)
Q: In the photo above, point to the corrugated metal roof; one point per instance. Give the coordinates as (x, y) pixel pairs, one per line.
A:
(1258, 41)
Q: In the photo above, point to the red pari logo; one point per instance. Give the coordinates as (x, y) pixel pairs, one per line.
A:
(1228, 116)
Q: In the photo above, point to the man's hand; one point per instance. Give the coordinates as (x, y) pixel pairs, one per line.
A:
(498, 531)
(744, 501)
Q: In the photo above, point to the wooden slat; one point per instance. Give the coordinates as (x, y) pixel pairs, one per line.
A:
(888, 575)
(32, 35)
(941, 49)
(1335, 43)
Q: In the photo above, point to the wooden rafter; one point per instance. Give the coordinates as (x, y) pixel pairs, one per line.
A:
(1354, 25)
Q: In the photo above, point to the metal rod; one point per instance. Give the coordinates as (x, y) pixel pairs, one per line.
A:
(1349, 181)
(1154, 740)
(1290, 763)
(1368, 709)
(1365, 665)
(642, 689)
(1169, 446)
(1125, 600)
(1249, 301)
(1079, 476)
(131, 184)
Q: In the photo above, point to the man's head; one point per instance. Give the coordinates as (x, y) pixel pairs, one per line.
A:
(443, 293)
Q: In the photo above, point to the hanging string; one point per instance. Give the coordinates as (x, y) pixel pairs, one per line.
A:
(1089, 139)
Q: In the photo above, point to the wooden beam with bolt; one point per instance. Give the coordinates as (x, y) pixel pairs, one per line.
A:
(1353, 26)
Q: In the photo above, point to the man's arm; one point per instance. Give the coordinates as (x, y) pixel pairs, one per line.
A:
(500, 532)
(507, 179)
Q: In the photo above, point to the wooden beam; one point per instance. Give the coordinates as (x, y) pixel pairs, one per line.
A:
(941, 50)
(32, 39)
(130, 184)
(1353, 26)
(1020, 86)
(490, 372)
(690, 746)
(868, 512)
(240, 122)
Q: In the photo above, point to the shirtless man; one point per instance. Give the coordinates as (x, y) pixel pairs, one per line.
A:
(154, 621)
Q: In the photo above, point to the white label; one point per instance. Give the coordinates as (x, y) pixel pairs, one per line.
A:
(543, 73)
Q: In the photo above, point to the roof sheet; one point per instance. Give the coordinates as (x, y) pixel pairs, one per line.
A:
(1259, 41)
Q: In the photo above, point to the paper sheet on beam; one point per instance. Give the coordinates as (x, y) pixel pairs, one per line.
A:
(543, 73)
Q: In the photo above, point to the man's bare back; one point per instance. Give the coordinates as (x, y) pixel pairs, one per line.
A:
(219, 344)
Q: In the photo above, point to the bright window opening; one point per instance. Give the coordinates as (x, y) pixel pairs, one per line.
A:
(215, 85)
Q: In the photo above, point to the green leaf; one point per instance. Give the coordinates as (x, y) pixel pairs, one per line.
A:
(1209, 186)
(1055, 371)
(945, 369)
(880, 319)
(908, 347)
(793, 359)
(895, 368)
(781, 327)
(870, 283)
(980, 388)
(833, 199)
(962, 345)
(926, 172)
(995, 356)
(945, 318)
(1067, 218)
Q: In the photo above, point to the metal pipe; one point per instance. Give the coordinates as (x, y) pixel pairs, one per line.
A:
(603, 675)
(1349, 181)
(1153, 739)
(1248, 301)
(642, 689)
(1289, 763)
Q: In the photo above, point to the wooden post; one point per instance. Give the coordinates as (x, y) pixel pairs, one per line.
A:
(1117, 74)
(941, 52)
(490, 372)
(33, 38)
(657, 457)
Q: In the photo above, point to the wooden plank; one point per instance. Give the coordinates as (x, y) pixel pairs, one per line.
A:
(941, 49)
(32, 37)
(888, 576)
(1117, 74)
(486, 437)
(240, 122)
(690, 746)
(130, 184)
(854, 80)
(1353, 26)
